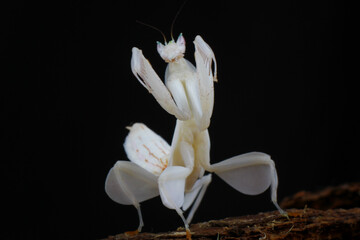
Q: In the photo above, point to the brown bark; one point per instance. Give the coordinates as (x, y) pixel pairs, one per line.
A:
(305, 223)
(343, 196)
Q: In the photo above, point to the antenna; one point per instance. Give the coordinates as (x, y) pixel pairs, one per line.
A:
(176, 16)
(155, 28)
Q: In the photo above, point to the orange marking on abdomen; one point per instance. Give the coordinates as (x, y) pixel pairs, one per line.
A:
(151, 154)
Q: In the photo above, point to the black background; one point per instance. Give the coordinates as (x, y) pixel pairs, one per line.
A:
(68, 91)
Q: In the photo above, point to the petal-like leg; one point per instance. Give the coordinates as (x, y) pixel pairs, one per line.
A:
(184, 137)
(146, 75)
(202, 145)
(207, 55)
(129, 184)
(172, 188)
(193, 94)
(172, 183)
(250, 173)
(182, 80)
(173, 179)
(204, 57)
(177, 91)
(196, 194)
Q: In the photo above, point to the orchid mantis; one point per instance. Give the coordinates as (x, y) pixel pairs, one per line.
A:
(176, 172)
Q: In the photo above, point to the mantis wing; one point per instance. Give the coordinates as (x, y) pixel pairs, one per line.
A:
(204, 57)
(146, 75)
(147, 149)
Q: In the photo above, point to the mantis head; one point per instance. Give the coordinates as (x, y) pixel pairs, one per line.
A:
(172, 51)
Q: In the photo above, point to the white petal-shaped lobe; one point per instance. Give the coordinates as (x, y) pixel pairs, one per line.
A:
(147, 149)
(129, 184)
(250, 180)
(172, 186)
(250, 173)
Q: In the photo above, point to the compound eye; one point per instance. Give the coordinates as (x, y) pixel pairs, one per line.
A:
(181, 40)
(160, 47)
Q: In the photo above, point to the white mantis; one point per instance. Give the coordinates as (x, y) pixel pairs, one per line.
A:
(177, 172)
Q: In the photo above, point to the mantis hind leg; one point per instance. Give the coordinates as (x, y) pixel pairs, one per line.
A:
(195, 196)
(129, 184)
(141, 223)
(250, 173)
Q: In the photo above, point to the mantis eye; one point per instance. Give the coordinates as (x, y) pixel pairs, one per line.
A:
(160, 48)
(180, 41)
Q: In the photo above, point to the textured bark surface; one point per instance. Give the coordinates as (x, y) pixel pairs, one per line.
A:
(343, 196)
(301, 224)
(305, 223)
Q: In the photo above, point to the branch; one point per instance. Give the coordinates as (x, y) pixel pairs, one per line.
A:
(343, 196)
(305, 223)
